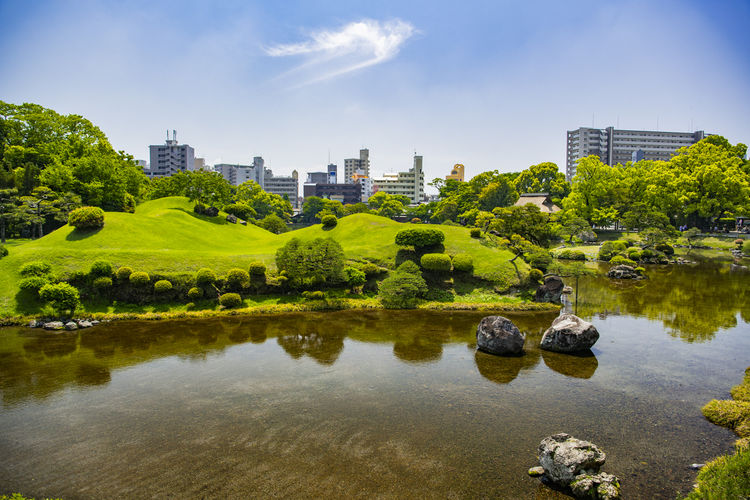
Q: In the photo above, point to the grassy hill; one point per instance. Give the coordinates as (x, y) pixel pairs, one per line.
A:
(165, 235)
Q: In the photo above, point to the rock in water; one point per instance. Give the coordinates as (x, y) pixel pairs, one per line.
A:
(597, 486)
(498, 335)
(565, 457)
(537, 471)
(623, 272)
(569, 333)
(71, 325)
(551, 290)
(54, 325)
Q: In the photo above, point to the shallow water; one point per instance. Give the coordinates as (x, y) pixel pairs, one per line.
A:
(363, 404)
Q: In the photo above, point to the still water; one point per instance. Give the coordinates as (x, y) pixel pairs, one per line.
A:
(372, 404)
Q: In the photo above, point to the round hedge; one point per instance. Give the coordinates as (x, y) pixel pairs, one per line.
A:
(32, 283)
(86, 218)
(475, 232)
(620, 260)
(230, 300)
(124, 273)
(408, 267)
(62, 296)
(570, 254)
(370, 269)
(257, 269)
(439, 262)
(665, 248)
(35, 268)
(101, 268)
(205, 277)
(3, 252)
(463, 262)
(195, 293)
(419, 237)
(354, 277)
(535, 275)
(329, 221)
(162, 286)
(139, 278)
(634, 254)
(103, 283)
(237, 278)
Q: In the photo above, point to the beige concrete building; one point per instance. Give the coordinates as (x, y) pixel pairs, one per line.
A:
(410, 184)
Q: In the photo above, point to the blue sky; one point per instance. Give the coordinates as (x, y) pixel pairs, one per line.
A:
(493, 85)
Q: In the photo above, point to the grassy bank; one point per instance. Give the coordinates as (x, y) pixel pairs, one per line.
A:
(728, 476)
(165, 236)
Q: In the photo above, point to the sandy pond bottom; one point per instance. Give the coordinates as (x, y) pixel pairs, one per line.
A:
(350, 404)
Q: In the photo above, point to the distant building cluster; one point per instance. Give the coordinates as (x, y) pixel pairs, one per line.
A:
(614, 146)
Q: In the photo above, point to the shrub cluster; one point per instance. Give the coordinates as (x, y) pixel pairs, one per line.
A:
(35, 268)
(611, 248)
(665, 248)
(370, 270)
(86, 218)
(539, 258)
(62, 297)
(237, 279)
(124, 273)
(230, 300)
(162, 286)
(419, 237)
(463, 263)
(619, 260)
(475, 232)
(257, 269)
(315, 295)
(571, 254)
(33, 284)
(205, 277)
(101, 268)
(402, 288)
(437, 262)
(195, 293)
(329, 221)
(139, 278)
(634, 254)
(354, 277)
(409, 267)
(102, 283)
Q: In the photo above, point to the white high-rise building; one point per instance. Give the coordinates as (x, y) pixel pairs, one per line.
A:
(169, 158)
(410, 184)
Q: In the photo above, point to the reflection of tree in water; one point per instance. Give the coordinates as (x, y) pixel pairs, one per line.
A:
(88, 374)
(419, 349)
(578, 365)
(692, 302)
(323, 347)
(53, 345)
(504, 369)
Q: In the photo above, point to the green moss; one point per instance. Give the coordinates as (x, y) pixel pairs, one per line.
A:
(727, 413)
(725, 477)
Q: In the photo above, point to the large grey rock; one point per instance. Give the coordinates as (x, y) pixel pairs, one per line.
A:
(569, 333)
(498, 335)
(565, 457)
(551, 290)
(54, 325)
(596, 486)
(84, 323)
(623, 272)
(71, 325)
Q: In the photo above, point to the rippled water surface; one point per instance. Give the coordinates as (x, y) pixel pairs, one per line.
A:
(363, 404)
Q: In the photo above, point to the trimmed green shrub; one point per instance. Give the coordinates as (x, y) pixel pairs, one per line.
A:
(33, 284)
(354, 277)
(634, 254)
(162, 286)
(535, 275)
(438, 262)
(35, 268)
(3, 252)
(315, 295)
(86, 218)
(230, 300)
(195, 293)
(329, 221)
(610, 248)
(540, 258)
(139, 278)
(620, 260)
(640, 270)
(647, 253)
(237, 278)
(746, 247)
(124, 273)
(419, 237)
(370, 269)
(205, 277)
(571, 254)
(309, 263)
(103, 283)
(257, 269)
(401, 290)
(475, 232)
(463, 263)
(101, 268)
(665, 248)
(61, 296)
(409, 267)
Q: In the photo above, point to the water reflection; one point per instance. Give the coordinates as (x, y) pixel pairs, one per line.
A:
(504, 369)
(693, 302)
(577, 365)
(322, 347)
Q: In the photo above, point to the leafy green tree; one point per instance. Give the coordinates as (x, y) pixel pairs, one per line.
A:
(273, 223)
(593, 187)
(251, 194)
(691, 235)
(543, 178)
(401, 290)
(390, 208)
(377, 200)
(527, 221)
(314, 205)
(573, 226)
(518, 245)
(8, 204)
(209, 188)
(356, 208)
(37, 207)
(63, 297)
(501, 193)
(311, 263)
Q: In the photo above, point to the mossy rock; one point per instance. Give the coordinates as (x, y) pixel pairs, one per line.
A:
(727, 413)
(742, 392)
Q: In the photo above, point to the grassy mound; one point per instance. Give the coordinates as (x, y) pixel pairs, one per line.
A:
(165, 236)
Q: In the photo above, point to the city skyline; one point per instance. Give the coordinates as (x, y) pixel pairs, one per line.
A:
(488, 85)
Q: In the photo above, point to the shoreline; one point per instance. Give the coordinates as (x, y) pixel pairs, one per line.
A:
(278, 309)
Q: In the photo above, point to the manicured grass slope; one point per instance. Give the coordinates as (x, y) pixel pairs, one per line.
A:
(165, 235)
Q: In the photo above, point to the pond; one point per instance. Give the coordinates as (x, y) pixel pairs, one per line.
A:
(362, 404)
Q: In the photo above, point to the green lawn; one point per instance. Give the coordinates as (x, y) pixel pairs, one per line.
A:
(165, 236)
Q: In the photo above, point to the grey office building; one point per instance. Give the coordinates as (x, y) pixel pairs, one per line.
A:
(169, 158)
(353, 165)
(283, 186)
(614, 146)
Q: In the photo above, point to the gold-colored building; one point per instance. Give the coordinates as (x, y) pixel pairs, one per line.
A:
(457, 173)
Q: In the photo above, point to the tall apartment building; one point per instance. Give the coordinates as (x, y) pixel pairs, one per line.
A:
(457, 173)
(614, 146)
(169, 158)
(283, 186)
(409, 183)
(236, 174)
(352, 165)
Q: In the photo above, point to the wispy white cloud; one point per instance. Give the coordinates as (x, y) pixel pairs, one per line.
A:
(357, 45)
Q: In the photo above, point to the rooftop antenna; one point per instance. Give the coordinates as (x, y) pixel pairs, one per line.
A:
(167, 134)
(174, 135)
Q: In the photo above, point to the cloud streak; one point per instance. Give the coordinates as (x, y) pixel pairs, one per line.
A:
(358, 45)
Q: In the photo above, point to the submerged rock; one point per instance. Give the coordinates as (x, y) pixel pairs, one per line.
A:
(565, 457)
(596, 486)
(537, 471)
(498, 335)
(551, 290)
(623, 272)
(569, 333)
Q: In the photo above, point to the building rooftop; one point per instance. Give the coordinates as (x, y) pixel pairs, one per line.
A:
(541, 200)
